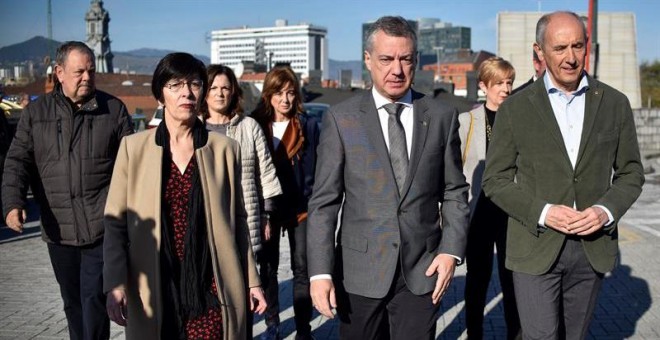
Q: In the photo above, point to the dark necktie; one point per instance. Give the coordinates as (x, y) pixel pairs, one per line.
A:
(398, 148)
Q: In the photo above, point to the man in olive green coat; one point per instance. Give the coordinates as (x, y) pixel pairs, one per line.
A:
(564, 164)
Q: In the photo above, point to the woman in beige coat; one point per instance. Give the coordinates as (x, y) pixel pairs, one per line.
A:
(178, 261)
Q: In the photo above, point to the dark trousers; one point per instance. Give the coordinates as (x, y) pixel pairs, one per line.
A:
(559, 304)
(78, 271)
(269, 260)
(400, 315)
(479, 261)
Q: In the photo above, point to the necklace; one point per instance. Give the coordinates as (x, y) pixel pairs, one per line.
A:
(489, 129)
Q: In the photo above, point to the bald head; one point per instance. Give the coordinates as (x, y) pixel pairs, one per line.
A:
(562, 45)
(542, 24)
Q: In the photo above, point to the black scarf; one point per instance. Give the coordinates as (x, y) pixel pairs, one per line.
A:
(186, 284)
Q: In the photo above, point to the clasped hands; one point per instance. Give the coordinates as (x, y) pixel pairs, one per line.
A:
(567, 220)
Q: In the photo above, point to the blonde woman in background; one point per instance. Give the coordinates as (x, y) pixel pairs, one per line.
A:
(487, 221)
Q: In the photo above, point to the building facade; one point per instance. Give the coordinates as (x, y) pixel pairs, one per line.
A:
(303, 46)
(98, 38)
(435, 38)
(618, 65)
(454, 67)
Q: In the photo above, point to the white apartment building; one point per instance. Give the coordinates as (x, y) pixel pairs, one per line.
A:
(304, 46)
(617, 36)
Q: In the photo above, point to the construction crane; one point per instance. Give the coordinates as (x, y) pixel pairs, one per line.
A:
(50, 30)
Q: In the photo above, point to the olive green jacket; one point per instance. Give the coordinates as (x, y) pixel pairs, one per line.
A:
(527, 167)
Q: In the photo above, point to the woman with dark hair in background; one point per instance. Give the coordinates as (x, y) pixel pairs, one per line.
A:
(223, 113)
(178, 261)
(292, 140)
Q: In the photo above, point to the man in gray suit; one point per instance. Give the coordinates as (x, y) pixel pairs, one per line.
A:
(386, 159)
(564, 164)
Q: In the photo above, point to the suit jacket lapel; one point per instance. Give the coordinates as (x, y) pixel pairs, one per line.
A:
(371, 124)
(542, 107)
(421, 119)
(591, 104)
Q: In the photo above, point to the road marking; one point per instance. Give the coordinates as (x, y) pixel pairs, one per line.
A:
(642, 224)
(627, 235)
(28, 232)
(647, 229)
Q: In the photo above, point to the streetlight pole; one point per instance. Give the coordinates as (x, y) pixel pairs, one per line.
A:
(438, 52)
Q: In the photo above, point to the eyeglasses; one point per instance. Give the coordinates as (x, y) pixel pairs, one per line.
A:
(195, 85)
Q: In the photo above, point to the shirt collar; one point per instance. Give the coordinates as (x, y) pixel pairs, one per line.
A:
(551, 88)
(381, 101)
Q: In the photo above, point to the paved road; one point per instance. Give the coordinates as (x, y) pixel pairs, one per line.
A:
(30, 305)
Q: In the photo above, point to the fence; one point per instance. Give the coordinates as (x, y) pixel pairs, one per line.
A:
(647, 122)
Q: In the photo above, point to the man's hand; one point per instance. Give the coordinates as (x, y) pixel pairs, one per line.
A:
(15, 219)
(265, 226)
(116, 306)
(323, 296)
(257, 300)
(444, 265)
(588, 221)
(559, 217)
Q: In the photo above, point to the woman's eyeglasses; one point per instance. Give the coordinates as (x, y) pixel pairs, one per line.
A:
(195, 85)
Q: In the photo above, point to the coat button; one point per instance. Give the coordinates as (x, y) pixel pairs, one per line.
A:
(395, 245)
(575, 179)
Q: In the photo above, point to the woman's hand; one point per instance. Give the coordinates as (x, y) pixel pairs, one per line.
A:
(257, 300)
(116, 306)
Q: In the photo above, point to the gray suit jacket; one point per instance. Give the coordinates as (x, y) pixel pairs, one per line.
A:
(379, 228)
(472, 132)
(528, 167)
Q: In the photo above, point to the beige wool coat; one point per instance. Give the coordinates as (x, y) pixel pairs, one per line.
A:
(132, 232)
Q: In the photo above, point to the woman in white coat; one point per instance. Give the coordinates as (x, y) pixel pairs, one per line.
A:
(223, 113)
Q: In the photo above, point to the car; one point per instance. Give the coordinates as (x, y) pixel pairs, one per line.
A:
(10, 109)
(156, 119)
(139, 123)
(316, 111)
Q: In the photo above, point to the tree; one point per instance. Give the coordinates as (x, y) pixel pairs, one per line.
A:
(650, 83)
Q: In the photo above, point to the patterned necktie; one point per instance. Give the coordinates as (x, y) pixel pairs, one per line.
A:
(398, 148)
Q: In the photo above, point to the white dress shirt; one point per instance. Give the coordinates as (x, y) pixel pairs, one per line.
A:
(569, 114)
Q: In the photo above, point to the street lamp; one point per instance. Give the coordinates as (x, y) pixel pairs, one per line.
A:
(438, 51)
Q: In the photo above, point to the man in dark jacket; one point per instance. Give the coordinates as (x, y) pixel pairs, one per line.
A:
(5, 139)
(539, 69)
(65, 147)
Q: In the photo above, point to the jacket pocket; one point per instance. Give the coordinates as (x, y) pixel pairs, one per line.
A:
(357, 243)
(436, 149)
(605, 137)
(59, 136)
(90, 140)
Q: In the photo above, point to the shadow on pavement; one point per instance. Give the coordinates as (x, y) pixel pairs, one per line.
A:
(622, 294)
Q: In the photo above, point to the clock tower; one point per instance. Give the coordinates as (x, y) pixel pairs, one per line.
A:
(98, 40)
